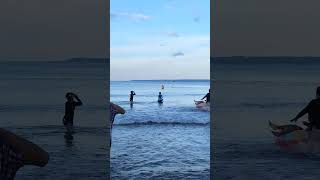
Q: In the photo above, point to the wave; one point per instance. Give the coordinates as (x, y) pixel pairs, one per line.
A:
(271, 105)
(55, 108)
(49, 130)
(162, 123)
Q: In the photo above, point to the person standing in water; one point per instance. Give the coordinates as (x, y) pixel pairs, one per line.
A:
(313, 111)
(72, 101)
(114, 110)
(207, 97)
(160, 98)
(132, 93)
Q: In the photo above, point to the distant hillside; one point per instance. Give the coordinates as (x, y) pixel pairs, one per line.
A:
(87, 60)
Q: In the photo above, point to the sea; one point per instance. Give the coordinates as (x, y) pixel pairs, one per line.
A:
(32, 106)
(160, 141)
(249, 92)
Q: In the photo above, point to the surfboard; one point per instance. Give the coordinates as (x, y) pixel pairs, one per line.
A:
(294, 139)
(202, 105)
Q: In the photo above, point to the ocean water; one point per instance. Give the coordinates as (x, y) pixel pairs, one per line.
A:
(248, 95)
(163, 141)
(32, 105)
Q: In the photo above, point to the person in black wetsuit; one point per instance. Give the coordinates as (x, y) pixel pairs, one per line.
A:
(313, 111)
(207, 97)
(132, 93)
(69, 109)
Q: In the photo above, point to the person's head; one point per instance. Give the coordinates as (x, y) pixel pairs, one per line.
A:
(159, 93)
(318, 92)
(69, 96)
(131, 92)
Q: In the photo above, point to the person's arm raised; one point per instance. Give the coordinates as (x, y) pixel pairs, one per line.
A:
(302, 112)
(79, 102)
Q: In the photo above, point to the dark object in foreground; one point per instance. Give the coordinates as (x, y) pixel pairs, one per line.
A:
(16, 152)
(114, 110)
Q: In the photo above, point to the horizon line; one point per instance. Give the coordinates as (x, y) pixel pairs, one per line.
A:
(165, 80)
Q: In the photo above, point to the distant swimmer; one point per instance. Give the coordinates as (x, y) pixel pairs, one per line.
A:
(114, 110)
(160, 98)
(132, 93)
(17, 152)
(162, 86)
(72, 101)
(207, 97)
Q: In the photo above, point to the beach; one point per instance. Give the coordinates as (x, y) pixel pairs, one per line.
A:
(152, 140)
(248, 94)
(32, 106)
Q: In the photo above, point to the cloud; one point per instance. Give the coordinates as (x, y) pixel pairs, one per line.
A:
(172, 34)
(196, 19)
(178, 54)
(131, 16)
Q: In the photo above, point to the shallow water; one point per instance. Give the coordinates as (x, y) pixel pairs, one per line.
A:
(32, 105)
(169, 140)
(247, 96)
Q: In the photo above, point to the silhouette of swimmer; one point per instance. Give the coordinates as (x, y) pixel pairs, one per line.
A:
(16, 152)
(207, 97)
(72, 101)
(160, 98)
(132, 93)
(114, 110)
(313, 111)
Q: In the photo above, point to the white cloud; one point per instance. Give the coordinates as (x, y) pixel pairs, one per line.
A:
(176, 54)
(131, 16)
(145, 59)
(172, 34)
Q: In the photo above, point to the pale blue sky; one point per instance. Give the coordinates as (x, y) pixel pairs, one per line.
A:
(160, 39)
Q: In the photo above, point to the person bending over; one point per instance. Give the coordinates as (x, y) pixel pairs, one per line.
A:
(114, 110)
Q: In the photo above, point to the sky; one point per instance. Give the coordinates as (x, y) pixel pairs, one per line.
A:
(266, 28)
(160, 39)
(52, 29)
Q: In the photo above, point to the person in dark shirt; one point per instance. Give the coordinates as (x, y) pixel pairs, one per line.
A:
(132, 93)
(70, 107)
(313, 111)
(207, 97)
(160, 98)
